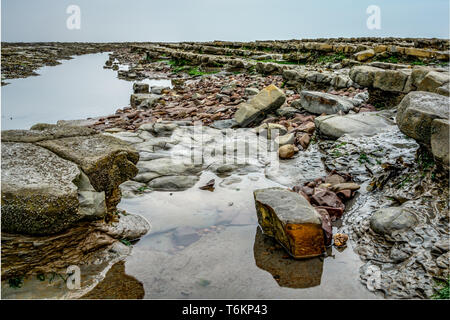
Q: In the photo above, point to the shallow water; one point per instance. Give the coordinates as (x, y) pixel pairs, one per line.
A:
(202, 244)
(207, 245)
(76, 89)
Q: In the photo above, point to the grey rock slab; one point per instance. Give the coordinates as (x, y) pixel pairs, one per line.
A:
(319, 103)
(360, 124)
(388, 220)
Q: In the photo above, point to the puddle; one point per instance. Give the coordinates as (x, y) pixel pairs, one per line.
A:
(207, 245)
(76, 89)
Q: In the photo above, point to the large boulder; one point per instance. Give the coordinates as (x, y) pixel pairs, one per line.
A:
(416, 112)
(319, 102)
(255, 110)
(359, 124)
(291, 220)
(386, 221)
(39, 195)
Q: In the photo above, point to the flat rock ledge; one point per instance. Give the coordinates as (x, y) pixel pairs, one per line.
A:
(291, 220)
(59, 183)
(58, 175)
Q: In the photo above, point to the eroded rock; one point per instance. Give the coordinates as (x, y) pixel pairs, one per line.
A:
(291, 220)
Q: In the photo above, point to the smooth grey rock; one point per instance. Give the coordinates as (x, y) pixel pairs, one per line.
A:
(386, 221)
(92, 203)
(319, 102)
(173, 183)
(129, 226)
(360, 124)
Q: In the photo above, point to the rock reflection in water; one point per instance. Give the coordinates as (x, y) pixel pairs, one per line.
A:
(117, 285)
(288, 272)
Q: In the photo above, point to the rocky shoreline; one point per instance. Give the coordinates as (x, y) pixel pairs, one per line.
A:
(363, 122)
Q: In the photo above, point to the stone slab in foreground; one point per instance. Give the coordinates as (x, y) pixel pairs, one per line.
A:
(291, 220)
(38, 193)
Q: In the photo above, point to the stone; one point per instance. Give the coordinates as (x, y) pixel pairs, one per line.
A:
(391, 80)
(106, 160)
(286, 151)
(291, 220)
(416, 112)
(173, 183)
(149, 170)
(92, 204)
(130, 189)
(224, 124)
(271, 130)
(140, 87)
(304, 140)
(128, 226)
(287, 112)
(360, 124)
(364, 55)
(319, 103)
(44, 131)
(345, 186)
(440, 141)
(364, 75)
(158, 89)
(143, 100)
(334, 179)
(251, 91)
(255, 110)
(285, 139)
(39, 195)
(340, 239)
(433, 80)
(386, 221)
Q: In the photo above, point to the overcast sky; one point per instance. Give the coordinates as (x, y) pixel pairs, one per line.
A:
(204, 20)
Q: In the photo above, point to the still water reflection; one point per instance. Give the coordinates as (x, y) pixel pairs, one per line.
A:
(76, 89)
